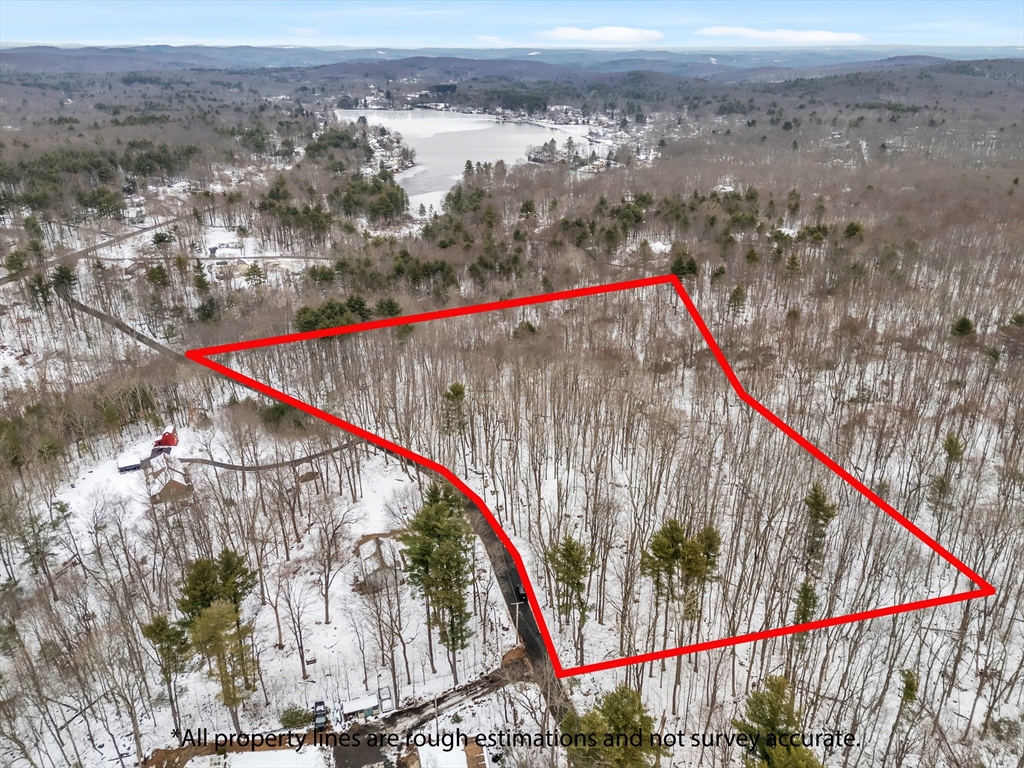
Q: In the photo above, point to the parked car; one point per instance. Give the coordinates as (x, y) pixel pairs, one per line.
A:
(319, 715)
(520, 592)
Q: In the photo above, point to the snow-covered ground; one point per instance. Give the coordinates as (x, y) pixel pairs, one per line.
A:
(531, 480)
(341, 659)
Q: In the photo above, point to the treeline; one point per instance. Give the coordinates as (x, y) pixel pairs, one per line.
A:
(54, 180)
(50, 428)
(407, 271)
(334, 313)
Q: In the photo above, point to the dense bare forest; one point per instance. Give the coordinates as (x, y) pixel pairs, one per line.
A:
(853, 242)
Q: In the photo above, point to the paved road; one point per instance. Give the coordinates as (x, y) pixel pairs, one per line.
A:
(128, 330)
(263, 467)
(558, 701)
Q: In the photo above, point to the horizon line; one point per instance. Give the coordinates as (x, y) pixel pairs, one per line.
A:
(670, 49)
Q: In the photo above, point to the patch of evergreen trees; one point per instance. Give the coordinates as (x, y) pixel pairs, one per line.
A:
(378, 197)
(211, 600)
(334, 313)
(438, 551)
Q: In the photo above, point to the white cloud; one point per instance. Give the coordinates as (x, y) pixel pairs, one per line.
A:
(792, 36)
(612, 35)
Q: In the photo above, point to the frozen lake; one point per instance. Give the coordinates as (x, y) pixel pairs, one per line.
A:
(444, 141)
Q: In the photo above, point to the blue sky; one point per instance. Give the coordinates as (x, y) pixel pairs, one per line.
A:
(526, 23)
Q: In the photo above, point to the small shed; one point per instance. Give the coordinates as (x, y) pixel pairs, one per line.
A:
(360, 709)
(163, 444)
(129, 461)
(169, 438)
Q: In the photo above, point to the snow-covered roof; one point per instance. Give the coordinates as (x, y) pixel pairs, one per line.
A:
(129, 459)
(358, 705)
(437, 757)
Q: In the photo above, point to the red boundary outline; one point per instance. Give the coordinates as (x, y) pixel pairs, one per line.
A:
(202, 356)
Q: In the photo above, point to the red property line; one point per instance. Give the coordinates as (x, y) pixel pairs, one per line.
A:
(984, 589)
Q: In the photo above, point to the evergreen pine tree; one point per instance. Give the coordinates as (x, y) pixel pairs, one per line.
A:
(454, 409)
(571, 563)
(387, 307)
(806, 602)
(39, 290)
(621, 712)
(63, 279)
(236, 580)
(437, 549)
(769, 712)
(963, 326)
(16, 262)
(451, 574)
(254, 275)
(683, 266)
(953, 447)
(586, 755)
(226, 578)
(222, 639)
(820, 513)
(199, 279)
(173, 653)
(660, 561)
(200, 589)
(908, 695)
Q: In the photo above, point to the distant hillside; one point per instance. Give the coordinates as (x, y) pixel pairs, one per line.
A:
(710, 63)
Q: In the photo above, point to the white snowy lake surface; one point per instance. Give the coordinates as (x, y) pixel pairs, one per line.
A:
(444, 141)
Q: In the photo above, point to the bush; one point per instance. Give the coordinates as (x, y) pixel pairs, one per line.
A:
(963, 327)
(525, 328)
(387, 307)
(320, 274)
(158, 276)
(294, 716)
(281, 415)
(853, 229)
(208, 310)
